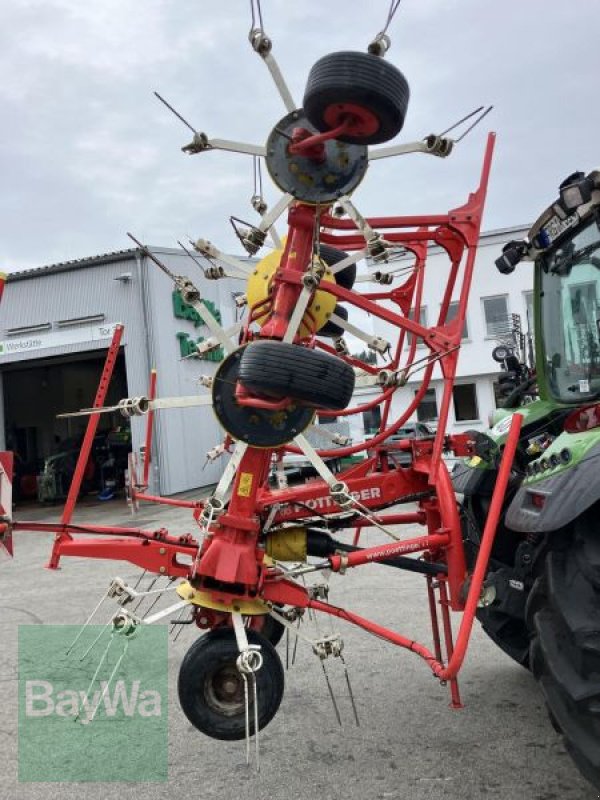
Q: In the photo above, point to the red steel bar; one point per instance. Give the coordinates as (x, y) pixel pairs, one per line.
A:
(86, 447)
(149, 429)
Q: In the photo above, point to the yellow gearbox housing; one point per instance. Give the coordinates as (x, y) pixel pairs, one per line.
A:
(259, 285)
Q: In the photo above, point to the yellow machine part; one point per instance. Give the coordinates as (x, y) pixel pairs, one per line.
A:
(288, 544)
(199, 598)
(259, 283)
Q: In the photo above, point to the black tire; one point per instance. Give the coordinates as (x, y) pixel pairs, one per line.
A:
(332, 256)
(332, 330)
(510, 634)
(564, 612)
(211, 689)
(269, 627)
(279, 369)
(362, 80)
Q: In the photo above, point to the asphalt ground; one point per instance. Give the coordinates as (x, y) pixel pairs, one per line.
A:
(410, 744)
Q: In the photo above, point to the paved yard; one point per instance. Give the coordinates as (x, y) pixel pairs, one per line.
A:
(409, 744)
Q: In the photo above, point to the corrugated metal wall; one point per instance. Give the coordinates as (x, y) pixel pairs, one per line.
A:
(183, 436)
(80, 292)
(144, 304)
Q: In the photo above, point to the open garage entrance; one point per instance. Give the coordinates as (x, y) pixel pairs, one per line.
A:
(45, 447)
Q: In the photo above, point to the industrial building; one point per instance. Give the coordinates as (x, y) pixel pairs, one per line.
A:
(56, 324)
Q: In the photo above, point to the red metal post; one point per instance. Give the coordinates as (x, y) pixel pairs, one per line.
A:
(86, 447)
(149, 428)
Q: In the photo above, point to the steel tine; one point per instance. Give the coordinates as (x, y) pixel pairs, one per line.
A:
(296, 643)
(331, 694)
(87, 622)
(256, 731)
(97, 639)
(106, 649)
(247, 715)
(477, 121)
(112, 674)
(350, 692)
(460, 121)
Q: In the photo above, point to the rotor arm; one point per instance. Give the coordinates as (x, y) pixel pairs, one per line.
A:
(432, 145)
(201, 143)
(377, 246)
(263, 45)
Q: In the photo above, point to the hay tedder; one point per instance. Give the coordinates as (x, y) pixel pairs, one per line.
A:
(241, 576)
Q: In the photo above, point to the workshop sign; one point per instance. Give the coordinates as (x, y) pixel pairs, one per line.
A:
(55, 338)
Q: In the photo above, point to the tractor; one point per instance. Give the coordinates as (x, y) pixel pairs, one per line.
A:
(541, 599)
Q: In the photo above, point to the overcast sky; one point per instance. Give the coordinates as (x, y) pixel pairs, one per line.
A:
(87, 152)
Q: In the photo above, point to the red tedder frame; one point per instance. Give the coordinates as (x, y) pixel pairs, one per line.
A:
(229, 561)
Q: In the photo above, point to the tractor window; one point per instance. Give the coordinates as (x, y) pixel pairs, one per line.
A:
(571, 316)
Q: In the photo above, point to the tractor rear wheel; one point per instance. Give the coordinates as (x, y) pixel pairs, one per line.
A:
(563, 611)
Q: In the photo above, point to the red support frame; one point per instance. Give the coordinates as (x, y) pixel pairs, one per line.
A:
(230, 562)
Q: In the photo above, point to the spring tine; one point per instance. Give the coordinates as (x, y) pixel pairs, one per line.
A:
(97, 639)
(335, 706)
(473, 124)
(287, 648)
(256, 731)
(460, 121)
(156, 599)
(350, 692)
(106, 649)
(112, 675)
(140, 579)
(173, 626)
(247, 713)
(86, 623)
(296, 643)
(150, 586)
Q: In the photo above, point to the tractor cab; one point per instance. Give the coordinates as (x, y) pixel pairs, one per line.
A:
(564, 244)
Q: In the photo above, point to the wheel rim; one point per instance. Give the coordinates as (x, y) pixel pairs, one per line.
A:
(224, 690)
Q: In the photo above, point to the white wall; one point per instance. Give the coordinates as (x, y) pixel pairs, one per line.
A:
(475, 364)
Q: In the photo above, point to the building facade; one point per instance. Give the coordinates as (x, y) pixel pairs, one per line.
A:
(56, 324)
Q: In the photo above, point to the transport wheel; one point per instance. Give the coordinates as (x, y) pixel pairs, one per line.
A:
(332, 256)
(564, 612)
(366, 87)
(280, 369)
(211, 688)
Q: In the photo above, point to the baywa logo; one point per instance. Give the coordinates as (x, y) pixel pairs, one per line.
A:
(96, 712)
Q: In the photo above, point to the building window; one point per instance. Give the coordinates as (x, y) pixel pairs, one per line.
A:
(465, 402)
(495, 311)
(372, 420)
(422, 321)
(452, 312)
(427, 409)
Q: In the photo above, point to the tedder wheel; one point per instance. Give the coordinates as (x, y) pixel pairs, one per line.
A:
(369, 89)
(211, 688)
(563, 611)
(267, 626)
(332, 256)
(280, 369)
(330, 328)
